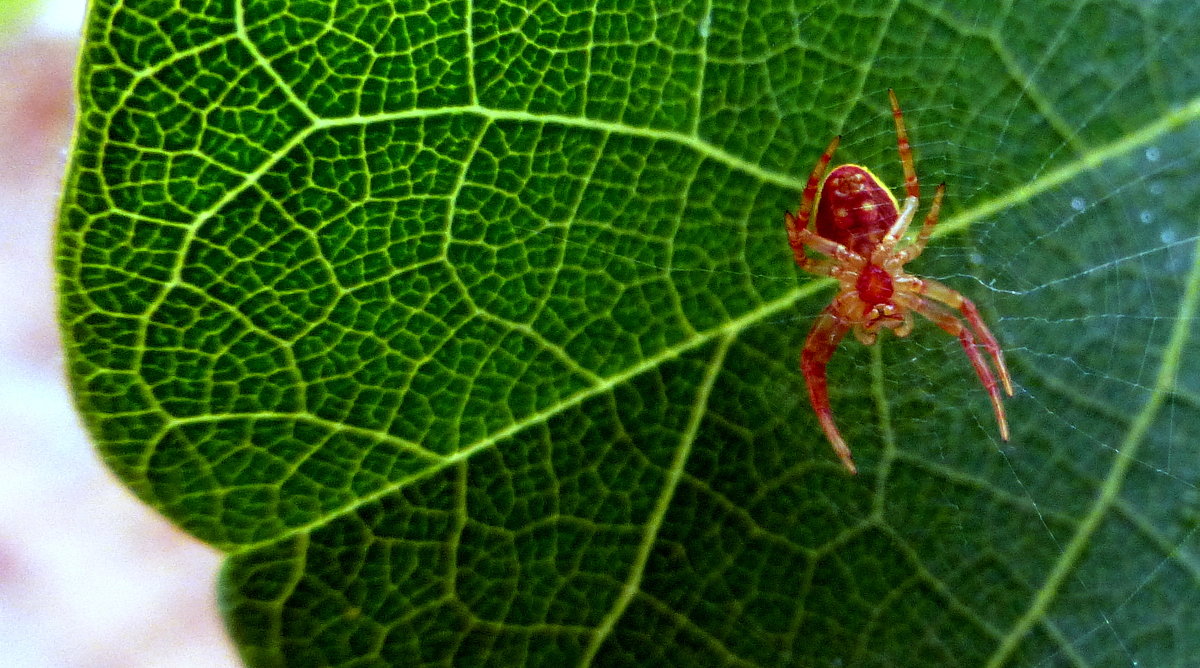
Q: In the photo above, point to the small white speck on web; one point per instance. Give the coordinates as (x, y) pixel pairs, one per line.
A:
(1168, 235)
(705, 26)
(1146, 217)
(1157, 188)
(1153, 154)
(1078, 203)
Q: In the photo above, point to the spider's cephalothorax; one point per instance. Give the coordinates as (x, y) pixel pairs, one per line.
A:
(858, 228)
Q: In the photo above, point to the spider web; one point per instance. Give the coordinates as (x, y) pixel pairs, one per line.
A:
(1106, 348)
(1074, 227)
(1089, 271)
(1087, 274)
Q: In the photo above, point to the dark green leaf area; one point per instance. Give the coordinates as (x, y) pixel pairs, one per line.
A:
(347, 59)
(566, 58)
(200, 360)
(579, 236)
(375, 199)
(130, 429)
(269, 271)
(751, 614)
(446, 410)
(283, 473)
(188, 132)
(128, 260)
(1128, 347)
(150, 32)
(546, 535)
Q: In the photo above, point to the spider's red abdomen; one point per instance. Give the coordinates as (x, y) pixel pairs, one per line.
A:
(854, 208)
(874, 285)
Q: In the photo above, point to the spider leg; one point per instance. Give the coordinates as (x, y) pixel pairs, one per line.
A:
(953, 326)
(814, 182)
(911, 252)
(825, 268)
(799, 237)
(954, 299)
(886, 245)
(911, 187)
(818, 348)
(906, 325)
(800, 220)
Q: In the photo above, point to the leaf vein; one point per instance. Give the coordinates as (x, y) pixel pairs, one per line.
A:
(1126, 456)
(675, 474)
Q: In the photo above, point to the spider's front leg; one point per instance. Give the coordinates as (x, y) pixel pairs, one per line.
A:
(818, 348)
(797, 225)
(910, 253)
(801, 237)
(905, 255)
(911, 186)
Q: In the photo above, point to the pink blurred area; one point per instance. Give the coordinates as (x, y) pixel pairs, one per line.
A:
(88, 575)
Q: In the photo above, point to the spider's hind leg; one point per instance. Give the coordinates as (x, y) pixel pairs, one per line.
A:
(953, 326)
(955, 300)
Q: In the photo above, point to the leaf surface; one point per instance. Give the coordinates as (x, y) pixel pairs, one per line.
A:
(469, 330)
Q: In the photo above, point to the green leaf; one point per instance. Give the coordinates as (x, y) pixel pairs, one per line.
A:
(469, 330)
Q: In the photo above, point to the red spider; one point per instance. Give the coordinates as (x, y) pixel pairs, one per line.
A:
(859, 226)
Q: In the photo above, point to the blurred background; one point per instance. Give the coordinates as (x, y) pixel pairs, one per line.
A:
(88, 575)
